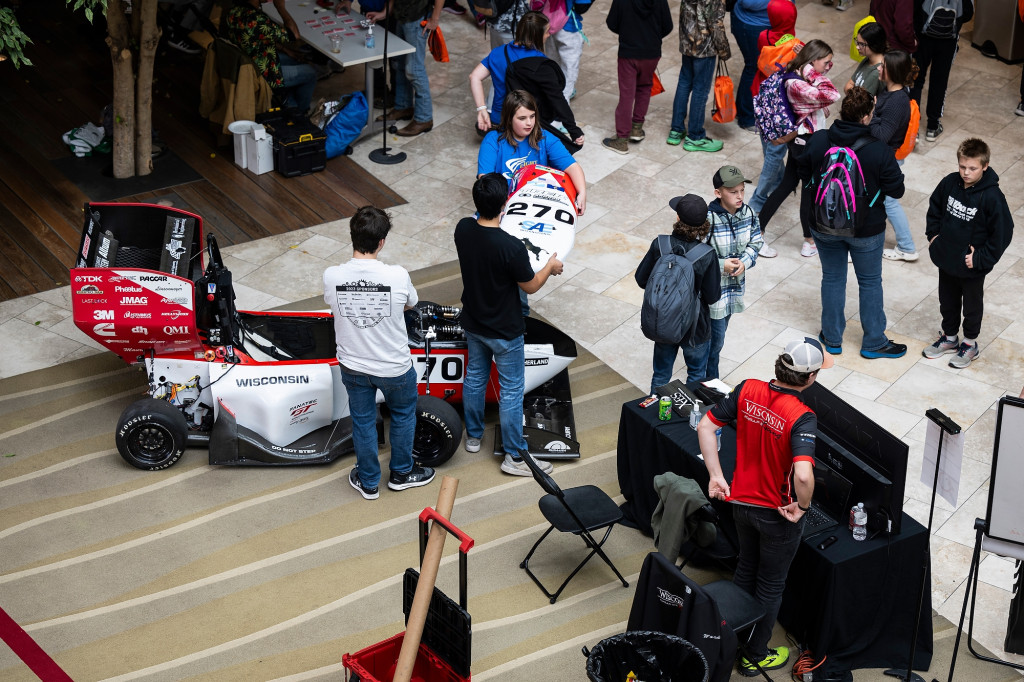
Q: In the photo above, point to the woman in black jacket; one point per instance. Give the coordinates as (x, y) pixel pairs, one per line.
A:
(882, 178)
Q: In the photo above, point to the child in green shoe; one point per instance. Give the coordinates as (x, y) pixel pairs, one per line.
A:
(702, 40)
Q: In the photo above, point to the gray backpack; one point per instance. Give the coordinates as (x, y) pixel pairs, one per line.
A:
(672, 304)
(940, 18)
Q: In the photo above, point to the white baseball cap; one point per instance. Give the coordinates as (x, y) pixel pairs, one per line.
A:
(807, 355)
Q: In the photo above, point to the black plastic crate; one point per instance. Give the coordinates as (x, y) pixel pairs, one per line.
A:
(448, 630)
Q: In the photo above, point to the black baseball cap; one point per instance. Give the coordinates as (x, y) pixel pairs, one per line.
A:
(728, 176)
(691, 209)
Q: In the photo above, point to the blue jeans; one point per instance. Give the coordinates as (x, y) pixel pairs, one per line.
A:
(900, 225)
(771, 173)
(746, 38)
(768, 543)
(866, 253)
(510, 359)
(413, 78)
(299, 81)
(718, 329)
(695, 77)
(665, 356)
(400, 395)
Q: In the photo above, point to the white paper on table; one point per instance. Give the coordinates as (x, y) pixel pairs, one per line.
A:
(718, 384)
(949, 465)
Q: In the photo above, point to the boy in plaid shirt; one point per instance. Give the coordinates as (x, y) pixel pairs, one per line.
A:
(736, 237)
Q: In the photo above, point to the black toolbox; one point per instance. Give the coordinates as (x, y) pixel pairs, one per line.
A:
(299, 146)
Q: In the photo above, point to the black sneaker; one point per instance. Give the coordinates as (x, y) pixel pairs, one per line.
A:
(453, 7)
(889, 350)
(367, 493)
(414, 478)
(183, 44)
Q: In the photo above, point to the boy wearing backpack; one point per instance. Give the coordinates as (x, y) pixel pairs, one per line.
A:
(968, 227)
(937, 25)
(846, 166)
(681, 279)
(736, 239)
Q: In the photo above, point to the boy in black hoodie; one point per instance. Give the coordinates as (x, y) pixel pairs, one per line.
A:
(968, 227)
(882, 178)
(641, 25)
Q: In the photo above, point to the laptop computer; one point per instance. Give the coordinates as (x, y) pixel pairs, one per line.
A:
(831, 501)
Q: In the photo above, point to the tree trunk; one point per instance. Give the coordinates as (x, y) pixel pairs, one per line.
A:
(119, 42)
(149, 36)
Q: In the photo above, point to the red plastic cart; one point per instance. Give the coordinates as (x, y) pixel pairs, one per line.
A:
(444, 653)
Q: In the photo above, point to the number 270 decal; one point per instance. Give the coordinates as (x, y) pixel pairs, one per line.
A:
(539, 210)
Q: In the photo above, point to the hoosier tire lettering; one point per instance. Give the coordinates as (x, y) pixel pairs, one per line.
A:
(151, 434)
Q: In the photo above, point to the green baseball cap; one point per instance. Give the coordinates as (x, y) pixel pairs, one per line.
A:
(728, 176)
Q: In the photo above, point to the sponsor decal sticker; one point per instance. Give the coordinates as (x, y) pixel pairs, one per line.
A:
(89, 289)
(270, 381)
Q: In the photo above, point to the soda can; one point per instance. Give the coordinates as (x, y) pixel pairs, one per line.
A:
(665, 409)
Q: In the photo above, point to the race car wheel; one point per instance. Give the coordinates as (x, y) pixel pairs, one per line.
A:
(151, 434)
(438, 431)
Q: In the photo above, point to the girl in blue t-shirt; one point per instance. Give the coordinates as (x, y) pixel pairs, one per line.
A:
(519, 140)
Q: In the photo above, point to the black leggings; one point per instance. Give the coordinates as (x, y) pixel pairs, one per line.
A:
(790, 181)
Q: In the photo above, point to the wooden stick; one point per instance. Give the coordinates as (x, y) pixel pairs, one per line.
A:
(425, 586)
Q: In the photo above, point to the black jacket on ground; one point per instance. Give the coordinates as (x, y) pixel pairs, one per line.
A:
(877, 161)
(641, 25)
(544, 79)
(962, 217)
(668, 601)
(707, 275)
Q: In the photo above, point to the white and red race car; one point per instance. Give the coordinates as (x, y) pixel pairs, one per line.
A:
(262, 388)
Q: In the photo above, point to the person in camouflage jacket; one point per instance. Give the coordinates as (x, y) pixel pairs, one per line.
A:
(702, 39)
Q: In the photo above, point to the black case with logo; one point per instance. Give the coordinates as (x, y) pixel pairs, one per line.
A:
(300, 148)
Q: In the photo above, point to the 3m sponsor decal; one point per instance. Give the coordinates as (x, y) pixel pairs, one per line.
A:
(271, 381)
(535, 362)
(89, 289)
(670, 599)
(177, 330)
(134, 315)
(88, 278)
(174, 314)
(104, 329)
(134, 300)
(103, 314)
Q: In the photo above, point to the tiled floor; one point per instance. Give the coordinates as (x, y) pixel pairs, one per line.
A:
(597, 301)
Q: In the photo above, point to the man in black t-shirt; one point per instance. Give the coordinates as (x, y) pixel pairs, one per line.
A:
(495, 267)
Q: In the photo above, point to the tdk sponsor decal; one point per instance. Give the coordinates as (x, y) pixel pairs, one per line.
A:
(268, 381)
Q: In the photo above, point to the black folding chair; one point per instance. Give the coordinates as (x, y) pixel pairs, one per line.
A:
(740, 611)
(579, 511)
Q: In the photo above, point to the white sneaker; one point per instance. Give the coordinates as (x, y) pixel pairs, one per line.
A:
(808, 250)
(521, 468)
(472, 444)
(896, 254)
(767, 251)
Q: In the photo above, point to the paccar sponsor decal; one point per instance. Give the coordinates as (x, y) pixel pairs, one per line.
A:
(151, 278)
(270, 381)
(89, 289)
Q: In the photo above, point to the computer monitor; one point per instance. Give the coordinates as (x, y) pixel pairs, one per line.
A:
(867, 484)
(880, 456)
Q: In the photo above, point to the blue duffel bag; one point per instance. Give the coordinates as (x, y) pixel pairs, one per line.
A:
(345, 126)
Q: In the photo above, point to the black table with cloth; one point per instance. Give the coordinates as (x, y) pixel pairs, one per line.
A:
(854, 602)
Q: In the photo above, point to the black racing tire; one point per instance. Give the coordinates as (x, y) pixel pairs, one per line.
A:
(438, 431)
(151, 434)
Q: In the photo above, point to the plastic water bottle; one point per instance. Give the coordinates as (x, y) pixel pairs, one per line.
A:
(718, 436)
(860, 525)
(695, 415)
(857, 507)
(369, 37)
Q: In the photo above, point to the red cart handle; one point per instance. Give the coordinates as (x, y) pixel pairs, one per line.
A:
(430, 514)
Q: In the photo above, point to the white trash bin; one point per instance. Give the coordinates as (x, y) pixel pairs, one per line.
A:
(241, 130)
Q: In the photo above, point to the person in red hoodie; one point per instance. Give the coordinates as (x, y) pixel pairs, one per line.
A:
(897, 18)
(782, 14)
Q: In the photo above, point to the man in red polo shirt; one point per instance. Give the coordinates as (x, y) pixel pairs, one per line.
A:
(773, 482)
